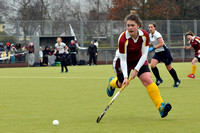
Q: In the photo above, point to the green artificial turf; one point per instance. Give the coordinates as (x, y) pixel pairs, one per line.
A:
(31, 98)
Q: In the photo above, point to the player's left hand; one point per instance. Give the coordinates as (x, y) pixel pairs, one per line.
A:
(151, 49)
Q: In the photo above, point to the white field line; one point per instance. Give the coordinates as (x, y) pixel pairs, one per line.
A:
(33, 77)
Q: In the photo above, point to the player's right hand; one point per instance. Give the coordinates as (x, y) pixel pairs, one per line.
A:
(125, 82)
(151, 49)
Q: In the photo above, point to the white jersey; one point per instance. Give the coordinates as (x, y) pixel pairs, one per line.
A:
(154, 40)
(96, 44)
(61, 47)
(41, 54)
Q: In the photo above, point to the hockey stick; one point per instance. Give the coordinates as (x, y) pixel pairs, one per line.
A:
(110, 103)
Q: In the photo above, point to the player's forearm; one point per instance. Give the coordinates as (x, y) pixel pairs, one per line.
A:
(159, 45)
(123, 64)
(143, 58)
(186, 47)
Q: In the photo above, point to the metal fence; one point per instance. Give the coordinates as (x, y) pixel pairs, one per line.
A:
(106, 32)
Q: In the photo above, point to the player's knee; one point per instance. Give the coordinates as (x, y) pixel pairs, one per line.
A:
(193, 63)
(146, 79)
(147, 82)
(169, 67)
(153, 65)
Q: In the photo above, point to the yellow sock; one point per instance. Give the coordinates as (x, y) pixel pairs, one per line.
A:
(154, 94)
(113, 83)
(193, 69)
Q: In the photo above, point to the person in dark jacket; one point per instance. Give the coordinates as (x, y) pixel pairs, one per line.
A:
(92, 52)
(72, 49)
(46, 53)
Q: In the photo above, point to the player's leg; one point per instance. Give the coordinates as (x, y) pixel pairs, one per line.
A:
(155, 71)
(73, 59)
(65, 63)
(61, 63)
(94, 60)
(167, 59)
(153, 91)
(174, 75)
(75, 62)
(117, 81)
(194, 61)
(90, 60)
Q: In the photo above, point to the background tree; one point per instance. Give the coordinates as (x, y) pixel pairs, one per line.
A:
(121, 8)
(165, 9)
(189, 9)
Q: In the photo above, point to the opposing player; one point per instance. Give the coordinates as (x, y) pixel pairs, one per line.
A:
(62, 50)
(133, 45)
(162, 54)
(195, 44)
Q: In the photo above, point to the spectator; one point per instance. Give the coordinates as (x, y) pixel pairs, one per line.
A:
(46, 54)
(72, 49)
(13, 50)
(7, 47)
(31, 54)
(1, 47)
(25, 48)
(41, 56)
(52, 57)
(18, 46)
(92, 52)
(97, 45)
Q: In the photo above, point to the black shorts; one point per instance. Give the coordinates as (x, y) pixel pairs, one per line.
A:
(164, 56)
(198, 58)
(143, 69)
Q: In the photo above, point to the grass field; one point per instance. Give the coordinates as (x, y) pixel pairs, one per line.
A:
(31, 98)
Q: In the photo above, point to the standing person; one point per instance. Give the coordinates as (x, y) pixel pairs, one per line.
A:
(195, 44)
(1, 47)
(72, 52)
(41, 56)
(46, 54)
(52, 57)
(97, 45)
(92, 52)
(133, 45)
(61, 48)
(31, 50)
(7, 47)
(13, 50)
(162, 53)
